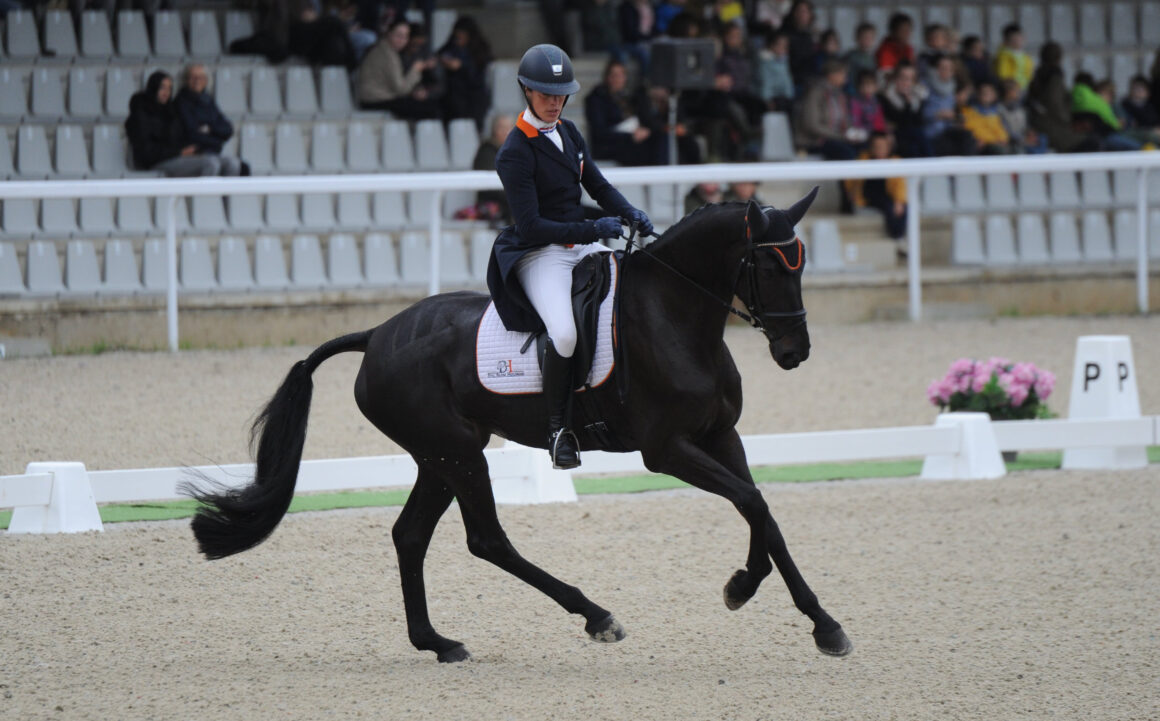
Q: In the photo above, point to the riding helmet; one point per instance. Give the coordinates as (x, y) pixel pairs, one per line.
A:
(548, 69)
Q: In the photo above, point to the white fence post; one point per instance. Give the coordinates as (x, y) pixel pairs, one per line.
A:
(71, 507)
(171, 272)
(521, 475)
(436, 232)
(978, 455)
(1142, 239)
(913, 245)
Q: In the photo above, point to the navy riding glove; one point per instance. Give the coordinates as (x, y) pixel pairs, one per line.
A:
(608, 228)
(644, 226)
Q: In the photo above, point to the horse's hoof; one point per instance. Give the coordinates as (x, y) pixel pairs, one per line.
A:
(606, 631)
(833, 643)
(455, 654)
(735, 599)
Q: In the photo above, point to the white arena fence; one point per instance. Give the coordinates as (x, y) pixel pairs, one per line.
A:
(439, 183)
(62, 497)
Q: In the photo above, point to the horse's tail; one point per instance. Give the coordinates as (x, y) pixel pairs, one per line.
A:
(232, 520)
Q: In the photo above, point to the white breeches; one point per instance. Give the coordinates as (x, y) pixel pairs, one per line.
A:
(546, 277)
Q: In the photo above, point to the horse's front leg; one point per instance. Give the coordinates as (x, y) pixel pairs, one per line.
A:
(828, 633)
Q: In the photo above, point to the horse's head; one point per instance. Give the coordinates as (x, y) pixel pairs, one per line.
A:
(771, 279)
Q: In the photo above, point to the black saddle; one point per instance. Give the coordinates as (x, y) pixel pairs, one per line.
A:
(591, 281)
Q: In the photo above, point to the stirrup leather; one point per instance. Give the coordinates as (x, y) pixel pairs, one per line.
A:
(564, 440)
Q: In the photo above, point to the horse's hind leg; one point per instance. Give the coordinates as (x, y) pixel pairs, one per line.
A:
(486, 539)
(412, 535)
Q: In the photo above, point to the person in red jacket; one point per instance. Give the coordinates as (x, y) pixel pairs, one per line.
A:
(896, 45)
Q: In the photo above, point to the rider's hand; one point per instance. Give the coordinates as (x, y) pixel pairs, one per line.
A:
(608, 228)
(643, 225)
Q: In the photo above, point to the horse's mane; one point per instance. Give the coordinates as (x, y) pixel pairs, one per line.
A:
(693, 221)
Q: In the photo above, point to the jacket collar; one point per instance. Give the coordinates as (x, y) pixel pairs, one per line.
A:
(569, 157)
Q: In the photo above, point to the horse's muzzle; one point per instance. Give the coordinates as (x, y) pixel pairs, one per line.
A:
(791, 350)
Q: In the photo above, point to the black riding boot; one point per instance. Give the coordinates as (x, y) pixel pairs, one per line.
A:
(558, 386)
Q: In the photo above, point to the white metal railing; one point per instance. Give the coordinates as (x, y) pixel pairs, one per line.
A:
(437, 183)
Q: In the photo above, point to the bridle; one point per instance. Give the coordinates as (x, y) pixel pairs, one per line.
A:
(757, 316)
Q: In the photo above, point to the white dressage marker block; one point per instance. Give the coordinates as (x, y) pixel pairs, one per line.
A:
(71, 507)
(1103, 385)
(978, 456)
(521, 475)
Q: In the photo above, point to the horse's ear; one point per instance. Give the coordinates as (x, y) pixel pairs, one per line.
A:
(798, 210)
(756, 221)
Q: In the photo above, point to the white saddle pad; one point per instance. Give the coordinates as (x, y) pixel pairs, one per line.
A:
(503, 369)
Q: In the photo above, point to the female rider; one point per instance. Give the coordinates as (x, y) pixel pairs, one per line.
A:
(542, 165)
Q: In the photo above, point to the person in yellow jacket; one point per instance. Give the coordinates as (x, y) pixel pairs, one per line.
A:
(886, 195)
(984, 121)
(1011, 61)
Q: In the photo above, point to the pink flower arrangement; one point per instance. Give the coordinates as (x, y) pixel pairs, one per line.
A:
(998, 387)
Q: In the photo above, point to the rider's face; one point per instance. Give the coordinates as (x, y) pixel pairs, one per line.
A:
(546, 107)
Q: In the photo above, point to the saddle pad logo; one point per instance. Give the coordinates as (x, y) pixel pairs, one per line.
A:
(505, 369)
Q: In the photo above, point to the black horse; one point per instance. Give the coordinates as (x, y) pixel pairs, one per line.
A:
(418, 385)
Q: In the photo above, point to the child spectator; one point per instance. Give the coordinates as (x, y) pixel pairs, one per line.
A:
(829, 48)
(1092, 111)
(902, 103)
(824, 126)
(774, 81)
(886, 195)
(942, 126)
(799, 27)
(865, 110)
(976, 63)
(896, 45)
(736, 63)
(1011, 62)
(862, 56)
(1139, 112)
(981, 118)
(1024, 139)
(937, 39)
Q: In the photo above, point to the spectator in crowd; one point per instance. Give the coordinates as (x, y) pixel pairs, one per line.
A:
(362, 37)
(902, 104)
(768, 15)
(862, 56)
(824, 125)
(157, 136)
(886, 195)
(799, 27)
(742, 191)
(204, 125)
(686, 25)
(271, 37)
(1024, 138)
(896, 45)
(465, 58)
(418, 50)
(1138, 110)
(829, 48)
(656, 118)
(942, 125)
(492, 204)
(1154, 82)
(736, 63)
(1049, 105)
(383, 84)
(615, 129)
(865, 108)
(1092, 111)
(938, 40)
(1011, 62)
(774, 81)
(982, 119)
(637, 20)
(703, 194)
(598, 21)
(975, 62)
(665, 11)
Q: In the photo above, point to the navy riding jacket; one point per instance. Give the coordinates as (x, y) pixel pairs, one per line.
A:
(543, 190)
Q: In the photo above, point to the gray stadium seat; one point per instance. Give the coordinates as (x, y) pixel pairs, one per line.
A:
(1034, 26)
(19, 219)
(32, 161)
(289, 149)
(505, 90)
(634, 194)
(245, 212)
(84, 93)
(936, 194)
(208, 214)
(58, 217)
(96, 217)
(22, 38)
(46, 94)
(265, 95)
(154, 266)
(234, 269)
(419, 206)
(1095, 63)
(1032, 239)
(282, 213)
(825, 247)
(388, 209)
(1093, 31)
(969, 193)
(195, 269)
(121, 274)
(318, 212)
(301, 98)
(966, 241)
(455, 200)
(1000, 241)
(13, 100)
(229, 91)
(398, 152)
(334, 87)
(1061, 24)
(777, 140)
(132, 36)
(1033, 191)
(325, 148)
(1096, 187)
(342, 261)
(998, 17)
(1001, 192)
(1064, 189)
(480, 253)
(43, 268)
(204, 38)
(239, 24)
(108, 152)
(96, 37)
(431, 146)
(662, 203)
(11, 277)
(970, 22)
(119, 88)
(935, 14)
(1149, 24)
(7, 170)
(1154, 234)
(845, 21)
(306, 269)
(354, 211)
(180, 214)
(362, 152)
(415, 259)
(1065, 246)
(270, 263)
(134, 215)
(168, 39)
(463, 139)
(379, 261)
(1124, 230)
(72, 155)
(59, 35)
(1097, 237)
(82, 273)
(257, 148)
(877, 16)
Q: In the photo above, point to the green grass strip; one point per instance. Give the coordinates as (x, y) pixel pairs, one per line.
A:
(169, 510)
